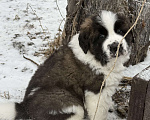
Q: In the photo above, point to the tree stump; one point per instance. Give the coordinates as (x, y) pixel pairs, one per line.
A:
(141, 32)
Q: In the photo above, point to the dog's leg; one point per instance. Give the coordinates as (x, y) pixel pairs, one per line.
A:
(78, 114)
(91, 100)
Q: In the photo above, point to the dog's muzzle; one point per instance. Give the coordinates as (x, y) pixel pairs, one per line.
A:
(113, 49)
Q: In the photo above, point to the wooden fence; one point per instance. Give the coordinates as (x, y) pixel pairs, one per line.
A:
(139, 105)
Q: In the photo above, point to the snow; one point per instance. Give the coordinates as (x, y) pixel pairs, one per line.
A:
(21, 34)
(145, 75)
(131, 71)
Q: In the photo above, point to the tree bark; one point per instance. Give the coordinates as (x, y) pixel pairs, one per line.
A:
(78, 10)
(141, 32)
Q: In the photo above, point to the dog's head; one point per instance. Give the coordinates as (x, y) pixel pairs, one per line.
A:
(101, 35)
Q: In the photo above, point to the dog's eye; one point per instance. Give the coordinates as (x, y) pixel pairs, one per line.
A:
(101, 36)
(119, 31)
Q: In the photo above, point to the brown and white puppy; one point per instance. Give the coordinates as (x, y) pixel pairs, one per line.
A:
(67, 85)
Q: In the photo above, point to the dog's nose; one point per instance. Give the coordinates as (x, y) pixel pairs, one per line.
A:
(113, 49)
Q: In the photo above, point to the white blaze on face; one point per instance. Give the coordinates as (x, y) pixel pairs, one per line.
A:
(108, 19)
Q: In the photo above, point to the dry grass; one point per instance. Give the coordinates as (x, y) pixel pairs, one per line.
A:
(52, 44)
(5, 95)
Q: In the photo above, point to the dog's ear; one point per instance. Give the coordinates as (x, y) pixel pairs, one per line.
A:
(84, 35)
(84, 41)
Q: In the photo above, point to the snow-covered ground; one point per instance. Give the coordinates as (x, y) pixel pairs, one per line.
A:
(21, 34)
(131, 71)
(26, 28)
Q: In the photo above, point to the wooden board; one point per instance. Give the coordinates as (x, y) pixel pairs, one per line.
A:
(137, 99)
(139, 105)
(147, 104)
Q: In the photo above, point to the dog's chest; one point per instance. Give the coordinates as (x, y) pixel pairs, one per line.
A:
(111, 84)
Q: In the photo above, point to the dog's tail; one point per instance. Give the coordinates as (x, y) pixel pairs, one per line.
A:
(9, 111)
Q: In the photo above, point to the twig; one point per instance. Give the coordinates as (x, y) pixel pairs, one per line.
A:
(31, 60)
(117, 57)
(60, 11)
(28, 5)
(127, 78)
(6, 95)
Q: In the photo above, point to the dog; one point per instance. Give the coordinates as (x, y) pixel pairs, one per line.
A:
(67, 85)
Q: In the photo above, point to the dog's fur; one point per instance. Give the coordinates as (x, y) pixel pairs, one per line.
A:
(67, 85)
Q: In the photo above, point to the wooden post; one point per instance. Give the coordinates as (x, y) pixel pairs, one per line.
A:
(139, 105)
